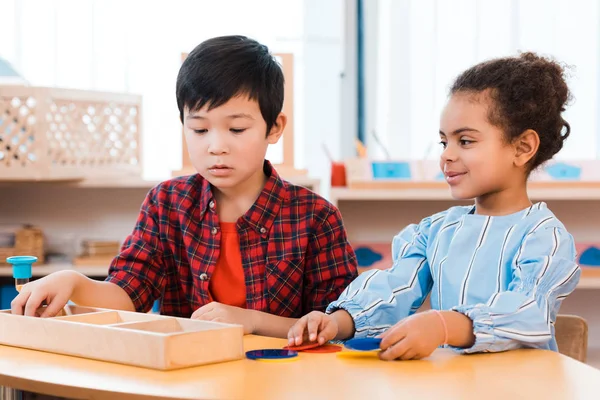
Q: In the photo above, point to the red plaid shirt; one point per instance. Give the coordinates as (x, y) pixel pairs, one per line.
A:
(295, 253)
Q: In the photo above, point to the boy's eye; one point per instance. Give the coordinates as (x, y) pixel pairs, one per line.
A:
(200, 131)
(237, 130)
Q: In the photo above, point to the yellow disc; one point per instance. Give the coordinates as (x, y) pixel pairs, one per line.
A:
(357, 354)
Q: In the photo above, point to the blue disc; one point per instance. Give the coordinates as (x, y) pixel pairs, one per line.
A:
(270, 354)
(363, 344)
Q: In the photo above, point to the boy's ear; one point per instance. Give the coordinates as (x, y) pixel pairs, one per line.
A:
(526, 146)
(277, 129)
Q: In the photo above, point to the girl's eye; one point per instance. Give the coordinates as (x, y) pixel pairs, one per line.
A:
(200, 131)
(466, 142)
(237, 130)
(444, 144)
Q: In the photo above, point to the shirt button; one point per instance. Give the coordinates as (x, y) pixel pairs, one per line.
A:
(203, 277)
(263, 230)
(211, 204)
(214, 230)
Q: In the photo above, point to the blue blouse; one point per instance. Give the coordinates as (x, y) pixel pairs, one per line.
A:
(509, 274)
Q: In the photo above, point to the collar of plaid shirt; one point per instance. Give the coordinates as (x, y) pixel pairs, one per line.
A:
(265, 209)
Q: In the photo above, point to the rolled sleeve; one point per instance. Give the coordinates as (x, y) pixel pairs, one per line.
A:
(139, 269)
(523, 316)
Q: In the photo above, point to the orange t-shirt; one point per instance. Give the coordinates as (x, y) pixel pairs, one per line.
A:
(228, 284)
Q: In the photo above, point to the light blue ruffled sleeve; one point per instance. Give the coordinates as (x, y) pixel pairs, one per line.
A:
(378, 299)
(544, 274)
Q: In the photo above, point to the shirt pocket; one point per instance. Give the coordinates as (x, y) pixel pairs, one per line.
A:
(284, 287)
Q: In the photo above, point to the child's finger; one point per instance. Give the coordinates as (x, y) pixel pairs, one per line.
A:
(206, 316)
(292, 333)
(397, 350)
(56, 304)
(203, 310)
(313, 327)
(327, 333)
(290, 336)
(33, 303)
(298, 330)
(392, 329)
(392, 336)
(409, 355)
(17, 306)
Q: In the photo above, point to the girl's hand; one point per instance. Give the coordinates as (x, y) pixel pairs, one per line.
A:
(414, 337)
(312, 327)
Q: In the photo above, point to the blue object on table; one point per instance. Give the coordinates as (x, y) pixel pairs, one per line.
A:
(21, 266)
(590, 257)
(156, 307)
(270, 354)
(7, 294)
(363, 344)
(390, 169)
(366, 256)
(562, 171)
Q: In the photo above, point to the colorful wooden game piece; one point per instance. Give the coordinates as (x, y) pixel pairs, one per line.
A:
(326, 348)
(270, 354)
(357, 354)
(363, 344)
(303, 346)
(21, 266)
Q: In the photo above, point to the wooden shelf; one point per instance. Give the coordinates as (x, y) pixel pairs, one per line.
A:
(412, 190)
(43, 270)
(413, 184)
(590, 277)
(139, 183)
(121, 183)
(101, 183)
(589, 283)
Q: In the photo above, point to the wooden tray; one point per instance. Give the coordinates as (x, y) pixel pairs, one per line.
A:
(144, 340)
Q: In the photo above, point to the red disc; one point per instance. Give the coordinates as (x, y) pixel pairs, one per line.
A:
(303, 346)
(328, 348)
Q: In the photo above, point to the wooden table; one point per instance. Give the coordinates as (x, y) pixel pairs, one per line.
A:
(527, 374)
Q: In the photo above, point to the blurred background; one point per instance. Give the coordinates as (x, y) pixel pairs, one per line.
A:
(89, 121)
(379, 66)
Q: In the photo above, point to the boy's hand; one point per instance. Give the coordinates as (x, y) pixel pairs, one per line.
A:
(412, 338)
(312, 326)
(218, 312)
(55, 290)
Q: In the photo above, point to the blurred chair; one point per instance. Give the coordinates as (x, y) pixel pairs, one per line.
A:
(571, 334)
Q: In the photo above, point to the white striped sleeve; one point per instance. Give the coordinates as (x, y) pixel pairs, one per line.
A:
(378, 299)
(545, 273)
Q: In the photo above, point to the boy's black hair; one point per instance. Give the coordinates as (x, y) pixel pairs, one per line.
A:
(528, 92)
(224, 67)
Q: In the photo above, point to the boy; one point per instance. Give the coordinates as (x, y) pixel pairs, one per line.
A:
(233, 243)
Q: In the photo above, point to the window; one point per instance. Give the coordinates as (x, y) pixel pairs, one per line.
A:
(415, 48)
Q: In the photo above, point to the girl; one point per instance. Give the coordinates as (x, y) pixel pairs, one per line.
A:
(496, 271)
